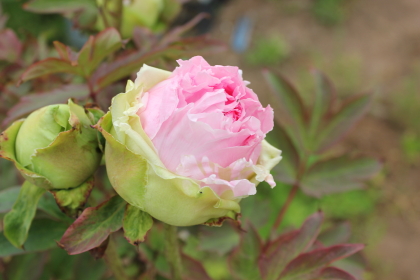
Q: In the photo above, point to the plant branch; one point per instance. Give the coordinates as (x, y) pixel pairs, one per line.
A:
(114, 261)
(172, 252)
(285, 206)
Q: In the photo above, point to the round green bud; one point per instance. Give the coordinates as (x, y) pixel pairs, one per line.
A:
(55, 147)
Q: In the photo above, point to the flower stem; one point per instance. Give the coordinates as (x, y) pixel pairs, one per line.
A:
(172, 252)
(114, 261)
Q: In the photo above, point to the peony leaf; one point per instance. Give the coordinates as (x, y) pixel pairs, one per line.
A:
(49, 66)
(29, 103)
(65, 52)
(10, 46)
(129, 63)
(325, 95)
(136, 224)
(18, 221)
(8, 198)
(338, 174)
(220, 240)
(243, 259)
(278, 253)
(336, 235)
(59, 6)
(84, 11)
(97, 48)
(343, 121)
(46, 203)
(72, 201)
(290, 111)
(286, 170)
(94, 226)
(333, 273)
(193, 269)
(41, 236)
(307, 265)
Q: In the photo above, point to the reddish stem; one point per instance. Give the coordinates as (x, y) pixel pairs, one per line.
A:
(285, 206)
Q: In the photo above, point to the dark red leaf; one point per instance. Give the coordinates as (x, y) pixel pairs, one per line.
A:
(97, 48)
(10, 46)
(130, 63)
(49, 66)
(94, 226)
(309, 263)
(243, 259)
(193, 269)
(333, 273)
(278, 253)
(29, 103)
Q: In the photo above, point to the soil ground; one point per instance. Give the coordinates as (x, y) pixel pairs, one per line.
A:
(374, 48)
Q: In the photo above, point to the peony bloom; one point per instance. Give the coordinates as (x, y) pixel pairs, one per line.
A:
(187, 146)
(54, 147)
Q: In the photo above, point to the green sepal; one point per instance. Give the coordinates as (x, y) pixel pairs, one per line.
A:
(136, 224)
(72, 201)
(18, 221)
(7, 151)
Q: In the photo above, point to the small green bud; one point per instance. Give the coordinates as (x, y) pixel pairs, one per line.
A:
(55, 147)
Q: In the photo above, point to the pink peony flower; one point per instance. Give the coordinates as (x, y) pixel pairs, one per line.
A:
(206, 124)
(187, 146)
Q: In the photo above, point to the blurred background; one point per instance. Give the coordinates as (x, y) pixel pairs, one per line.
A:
(362, 46)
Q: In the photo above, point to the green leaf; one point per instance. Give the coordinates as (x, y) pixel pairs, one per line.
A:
(340, 123)
(42, 236)
(30, 103)
(93, 226)
(18, 221)
(242, 261)
(8, 198)
(290, 113)
(59, 6)
(84, 12)
(48, 205)
(278, 253)
(218, 239)
(338, 174)
(307, 265)
(28, 267)
(136, 224)
(72, 201)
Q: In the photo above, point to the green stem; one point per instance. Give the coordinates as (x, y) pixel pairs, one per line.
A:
(172, 252)
(114, 261)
